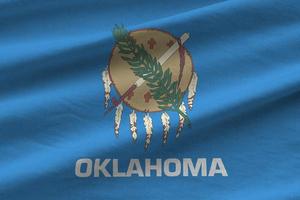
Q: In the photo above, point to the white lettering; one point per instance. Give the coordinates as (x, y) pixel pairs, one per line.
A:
(171, 167)
(149, 167)
(135, 168)
(116, 172)
(102, 168)
(177, 165)
(188, 165)
(88, 170)
(217, 163)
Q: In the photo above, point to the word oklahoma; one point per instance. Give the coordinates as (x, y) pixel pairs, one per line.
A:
(171, 167)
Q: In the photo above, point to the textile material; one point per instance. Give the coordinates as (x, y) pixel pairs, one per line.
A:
(246, 110)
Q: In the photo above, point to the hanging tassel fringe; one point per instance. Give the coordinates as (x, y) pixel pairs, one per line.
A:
(181, 120)
(165, 119)
(106, 83)
(148, 126)
(118, 117)
(133, 128)
(192, 90)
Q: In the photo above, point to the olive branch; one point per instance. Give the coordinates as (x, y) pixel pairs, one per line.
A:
(166, 92)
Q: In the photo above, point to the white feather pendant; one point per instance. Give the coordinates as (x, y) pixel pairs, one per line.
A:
(165, 119)
(106, 83)
(118, 118)
(181, 119)
(133, 128)
(192, 90)
(148, 126)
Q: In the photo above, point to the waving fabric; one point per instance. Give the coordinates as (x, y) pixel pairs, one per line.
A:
(246, 110)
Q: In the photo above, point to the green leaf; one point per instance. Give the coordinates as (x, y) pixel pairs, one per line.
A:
(144, 65)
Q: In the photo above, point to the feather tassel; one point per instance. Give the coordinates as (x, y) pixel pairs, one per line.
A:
(106, 83)
(192, 90)
(181, 119)
(118, 117)
(148, 126)
(166, 126)
(133, 128)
